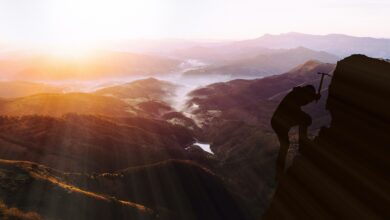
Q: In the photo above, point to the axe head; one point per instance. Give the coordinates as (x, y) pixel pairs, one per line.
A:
(324, 74)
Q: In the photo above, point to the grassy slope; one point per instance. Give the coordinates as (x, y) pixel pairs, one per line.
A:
(33, 187)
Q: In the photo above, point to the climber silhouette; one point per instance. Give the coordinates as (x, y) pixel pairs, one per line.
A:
(289, 114)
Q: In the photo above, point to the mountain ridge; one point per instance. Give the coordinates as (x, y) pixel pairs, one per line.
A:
(338, 44)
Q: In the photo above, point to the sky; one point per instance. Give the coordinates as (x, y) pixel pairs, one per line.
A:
(88, 22)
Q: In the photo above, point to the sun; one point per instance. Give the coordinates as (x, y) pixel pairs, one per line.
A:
(70, 49)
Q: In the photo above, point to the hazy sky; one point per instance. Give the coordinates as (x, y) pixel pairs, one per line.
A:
(70, 22)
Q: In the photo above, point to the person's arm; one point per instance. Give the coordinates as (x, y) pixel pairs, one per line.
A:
(317, 97)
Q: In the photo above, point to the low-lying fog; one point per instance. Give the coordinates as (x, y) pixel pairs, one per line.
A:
(185, 84)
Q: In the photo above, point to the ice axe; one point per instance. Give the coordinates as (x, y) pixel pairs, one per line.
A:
(322, 80)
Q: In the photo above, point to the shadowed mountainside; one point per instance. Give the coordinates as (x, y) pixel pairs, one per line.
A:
(91, 143)
(164, 185)
(53, 198)
(174, 190)
(343, 172)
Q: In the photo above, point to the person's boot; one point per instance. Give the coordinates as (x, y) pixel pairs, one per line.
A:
(279, 173)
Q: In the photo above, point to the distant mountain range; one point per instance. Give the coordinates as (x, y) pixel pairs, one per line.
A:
(275, 54)
(338, 44)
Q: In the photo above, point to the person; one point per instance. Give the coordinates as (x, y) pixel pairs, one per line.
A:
(289, 114)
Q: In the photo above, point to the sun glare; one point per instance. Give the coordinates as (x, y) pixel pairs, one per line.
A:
(79, 26)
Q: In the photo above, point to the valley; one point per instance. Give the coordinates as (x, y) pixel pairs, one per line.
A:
(180, 131)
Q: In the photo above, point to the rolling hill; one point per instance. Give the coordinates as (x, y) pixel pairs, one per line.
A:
(59, 104)
(144, 89)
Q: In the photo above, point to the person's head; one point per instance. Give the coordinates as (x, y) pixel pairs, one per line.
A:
(306, 94)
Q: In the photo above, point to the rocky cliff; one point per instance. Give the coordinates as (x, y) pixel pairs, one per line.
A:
(344, 172)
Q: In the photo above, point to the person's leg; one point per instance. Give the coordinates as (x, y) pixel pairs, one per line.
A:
(302, 134)
(281, 160)
(304, 122)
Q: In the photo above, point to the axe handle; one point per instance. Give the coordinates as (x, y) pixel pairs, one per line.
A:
(320, 87)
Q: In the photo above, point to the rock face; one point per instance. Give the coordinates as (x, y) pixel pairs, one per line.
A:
(344, 172)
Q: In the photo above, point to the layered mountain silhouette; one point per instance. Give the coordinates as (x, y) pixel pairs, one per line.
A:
(262, 64)
(338, 44)
(343, 172)
(146, 97)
